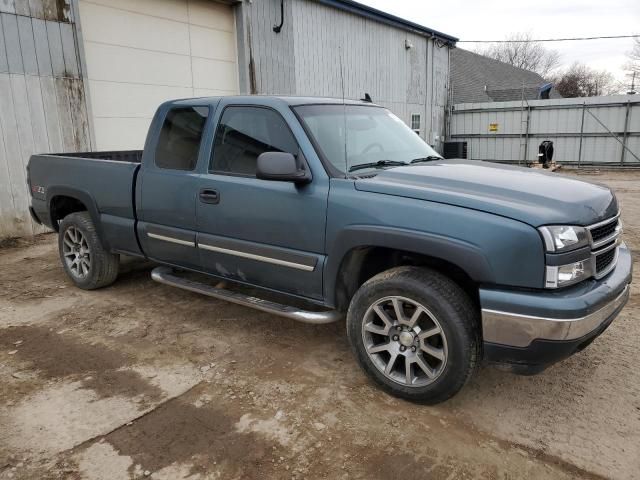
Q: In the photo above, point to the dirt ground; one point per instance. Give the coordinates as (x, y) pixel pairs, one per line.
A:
(141, 380)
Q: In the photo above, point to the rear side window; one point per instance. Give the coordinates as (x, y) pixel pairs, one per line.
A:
(180, 137)
(243, 134)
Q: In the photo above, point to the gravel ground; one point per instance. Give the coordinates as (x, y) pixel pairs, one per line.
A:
(141, 380)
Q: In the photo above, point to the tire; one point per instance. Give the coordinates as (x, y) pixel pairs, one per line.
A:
(442, 349)
(83, 257)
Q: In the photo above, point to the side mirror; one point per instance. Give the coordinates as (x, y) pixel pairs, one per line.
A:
(281, 166)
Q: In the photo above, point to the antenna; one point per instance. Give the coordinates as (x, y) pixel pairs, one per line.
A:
(344, 109)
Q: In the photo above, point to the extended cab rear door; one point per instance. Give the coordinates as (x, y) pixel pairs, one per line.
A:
(261, 232)
(168, 184)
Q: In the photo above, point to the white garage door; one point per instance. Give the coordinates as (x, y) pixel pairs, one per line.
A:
(140, 53)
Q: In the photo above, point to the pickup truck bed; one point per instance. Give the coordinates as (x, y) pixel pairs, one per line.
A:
(131, 156)
(104, 182)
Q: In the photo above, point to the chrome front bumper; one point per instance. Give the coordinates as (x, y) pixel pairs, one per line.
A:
(517, 330)
(518, 319)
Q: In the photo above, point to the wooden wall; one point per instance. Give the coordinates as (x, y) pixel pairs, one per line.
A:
(42, 99)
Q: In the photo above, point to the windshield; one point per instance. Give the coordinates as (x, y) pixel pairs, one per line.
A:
(374, 136)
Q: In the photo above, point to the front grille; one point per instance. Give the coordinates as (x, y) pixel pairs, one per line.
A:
(604, 231)
(604, 260)
(605, 237)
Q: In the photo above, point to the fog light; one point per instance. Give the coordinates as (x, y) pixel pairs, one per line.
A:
(563, 275)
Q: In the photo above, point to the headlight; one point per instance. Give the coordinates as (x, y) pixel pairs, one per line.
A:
(560, 238)
(564, 275)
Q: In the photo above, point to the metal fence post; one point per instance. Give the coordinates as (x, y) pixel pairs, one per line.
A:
(526, 134)
(624, 134)
(584, 106)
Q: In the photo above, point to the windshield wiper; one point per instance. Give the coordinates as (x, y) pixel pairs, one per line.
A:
(378, 164)
(426, 159)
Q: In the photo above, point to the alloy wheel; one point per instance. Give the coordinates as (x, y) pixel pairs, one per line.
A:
(405, 341)
(76, 253)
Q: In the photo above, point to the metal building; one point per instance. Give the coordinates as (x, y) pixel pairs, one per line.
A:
(325, 45)
(88, 74)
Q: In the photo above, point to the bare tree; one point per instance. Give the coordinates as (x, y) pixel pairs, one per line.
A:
(521, 51)
(580, 80)
(633, 65)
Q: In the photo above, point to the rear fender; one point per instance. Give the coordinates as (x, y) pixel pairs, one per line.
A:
(85, 198)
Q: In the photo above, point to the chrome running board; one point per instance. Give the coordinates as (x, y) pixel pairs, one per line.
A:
(167, 276)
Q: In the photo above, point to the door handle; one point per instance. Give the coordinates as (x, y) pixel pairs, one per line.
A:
(209, 196)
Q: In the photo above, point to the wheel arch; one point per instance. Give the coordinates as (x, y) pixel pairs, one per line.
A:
(63, 201)
(364, 252)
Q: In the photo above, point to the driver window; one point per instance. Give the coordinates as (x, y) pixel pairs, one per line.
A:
(243, 134)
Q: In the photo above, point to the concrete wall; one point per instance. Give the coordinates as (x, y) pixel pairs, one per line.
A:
(42, 100)
(321, 48)
(518, 129)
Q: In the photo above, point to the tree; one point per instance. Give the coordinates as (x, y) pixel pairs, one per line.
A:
(633, 65)
(521, 51)
(580, 80)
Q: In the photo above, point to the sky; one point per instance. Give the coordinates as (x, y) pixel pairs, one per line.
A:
(495, 19)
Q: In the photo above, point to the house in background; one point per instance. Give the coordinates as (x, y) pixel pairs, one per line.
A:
(78, 75)
(476, 78)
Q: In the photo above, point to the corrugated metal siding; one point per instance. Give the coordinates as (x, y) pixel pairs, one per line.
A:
(557, 120)
(42, 103)
(316, 40)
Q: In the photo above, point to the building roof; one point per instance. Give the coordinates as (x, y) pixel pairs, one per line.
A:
(383, 17)
(476, 78)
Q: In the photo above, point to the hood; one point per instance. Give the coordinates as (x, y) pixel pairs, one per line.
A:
(529, 195)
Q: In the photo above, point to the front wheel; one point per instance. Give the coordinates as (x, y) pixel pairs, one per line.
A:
(83, 257)
(414, 332)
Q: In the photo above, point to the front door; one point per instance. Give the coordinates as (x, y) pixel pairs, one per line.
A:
(260, 232)
(167, 188)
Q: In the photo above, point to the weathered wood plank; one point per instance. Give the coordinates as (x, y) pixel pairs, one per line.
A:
(37, 8)
(24, 116)
(41, 41)
(64, 114)
(12, 42)
(22, 8)
(36, 112)
(13, 150)
(79, 116)
(27, 45)
(4, 64)
(69, 49)
(50, 106)
(7, 207)
(38, 125)
(7, 6)
(55, 48)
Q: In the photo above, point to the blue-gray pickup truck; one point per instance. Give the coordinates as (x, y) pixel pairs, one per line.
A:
(336, 208)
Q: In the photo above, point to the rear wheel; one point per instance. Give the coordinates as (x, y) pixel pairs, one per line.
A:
(414, 332)
(84, 259)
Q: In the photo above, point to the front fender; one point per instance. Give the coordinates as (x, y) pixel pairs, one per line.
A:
(469, 257)
(489, 248)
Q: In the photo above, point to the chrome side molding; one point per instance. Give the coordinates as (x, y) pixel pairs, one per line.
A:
(260, 258)
(167, 276)
(164, 238)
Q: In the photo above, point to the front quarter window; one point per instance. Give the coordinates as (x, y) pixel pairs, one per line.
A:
(352, 136)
